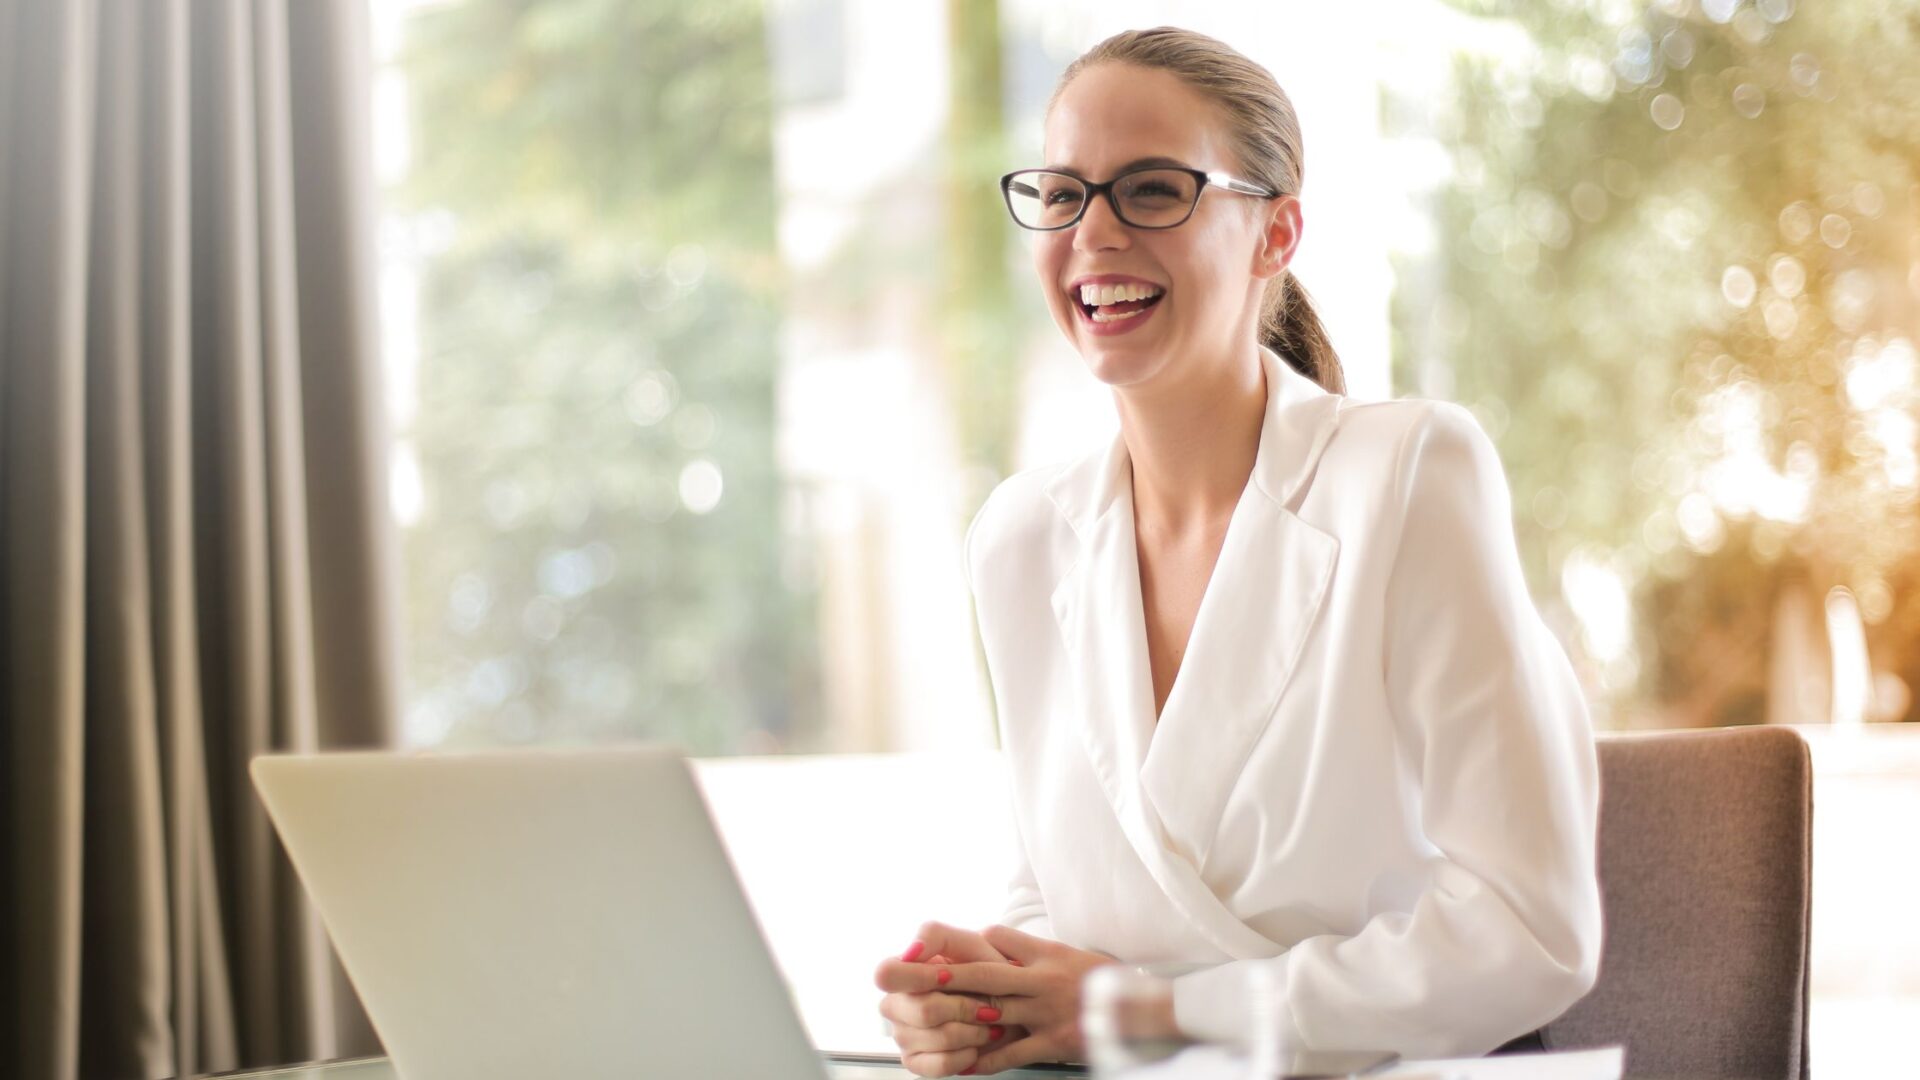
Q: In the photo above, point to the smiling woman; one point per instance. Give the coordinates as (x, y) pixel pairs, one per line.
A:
(1224, 107)
(1276, 702)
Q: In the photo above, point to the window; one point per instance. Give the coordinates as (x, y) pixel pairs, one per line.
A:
(708, 335)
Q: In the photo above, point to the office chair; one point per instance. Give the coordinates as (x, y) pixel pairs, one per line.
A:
(1706, 856)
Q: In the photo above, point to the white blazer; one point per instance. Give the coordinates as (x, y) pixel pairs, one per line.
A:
(1374, 775)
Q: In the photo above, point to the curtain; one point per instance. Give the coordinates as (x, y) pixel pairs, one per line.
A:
(196, 564)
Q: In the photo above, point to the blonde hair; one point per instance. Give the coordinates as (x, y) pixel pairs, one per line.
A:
(1266, 138)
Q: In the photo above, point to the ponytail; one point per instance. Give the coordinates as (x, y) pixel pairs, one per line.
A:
(1291, 327)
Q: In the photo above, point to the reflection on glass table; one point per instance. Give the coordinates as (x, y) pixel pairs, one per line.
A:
(853, 1067)
(1198, 1063)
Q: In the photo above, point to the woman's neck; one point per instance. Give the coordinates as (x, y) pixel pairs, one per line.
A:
(1193, 442)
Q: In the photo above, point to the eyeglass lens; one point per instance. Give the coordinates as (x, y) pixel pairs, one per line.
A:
(1151, 198)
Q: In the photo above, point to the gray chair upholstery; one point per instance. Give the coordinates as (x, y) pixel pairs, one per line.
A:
(1706, 857)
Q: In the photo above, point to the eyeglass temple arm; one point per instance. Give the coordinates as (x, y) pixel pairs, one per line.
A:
(1241, 186)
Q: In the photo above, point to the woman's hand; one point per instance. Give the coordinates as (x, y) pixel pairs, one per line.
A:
(940, 1033)
(1036, 987)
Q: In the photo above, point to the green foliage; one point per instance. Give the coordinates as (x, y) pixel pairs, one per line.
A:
(980, 328)
(608, 122)
(1668, 242)
(598, 328)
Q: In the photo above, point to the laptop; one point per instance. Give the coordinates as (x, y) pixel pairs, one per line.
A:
(551, 912)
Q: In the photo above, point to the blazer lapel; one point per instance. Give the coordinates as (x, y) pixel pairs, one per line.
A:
(1265, 592)
(1267, 589)
(1102, 627)
(1102, 624)
(1168, 782)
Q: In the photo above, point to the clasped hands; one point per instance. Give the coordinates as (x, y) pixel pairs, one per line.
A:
(965, 1003)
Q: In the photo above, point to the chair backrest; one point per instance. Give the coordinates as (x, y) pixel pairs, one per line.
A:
(1706, 858)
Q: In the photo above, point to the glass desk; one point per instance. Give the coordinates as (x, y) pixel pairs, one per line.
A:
(839, 1068)
(1599, 1064)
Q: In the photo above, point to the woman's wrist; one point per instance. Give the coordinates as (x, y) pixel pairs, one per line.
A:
(1165, 1017)
(1159, 1020)
(1128, 1016)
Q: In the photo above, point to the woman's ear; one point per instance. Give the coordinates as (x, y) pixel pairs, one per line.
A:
(1280, 226)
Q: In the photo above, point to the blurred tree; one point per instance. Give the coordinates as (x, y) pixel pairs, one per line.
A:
(600, 549)
(1676, 278)
(979, 330)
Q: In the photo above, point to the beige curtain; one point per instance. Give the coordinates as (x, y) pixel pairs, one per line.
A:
(195, 561)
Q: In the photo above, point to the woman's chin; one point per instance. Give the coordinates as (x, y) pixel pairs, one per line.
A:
(1119, 363)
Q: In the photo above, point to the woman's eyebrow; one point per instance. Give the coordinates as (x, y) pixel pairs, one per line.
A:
(1136, 163)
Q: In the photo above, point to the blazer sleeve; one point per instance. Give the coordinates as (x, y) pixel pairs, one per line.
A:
(1493, 727)
(1025, 909)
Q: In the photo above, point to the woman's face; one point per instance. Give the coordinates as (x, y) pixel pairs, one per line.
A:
(1211, 268)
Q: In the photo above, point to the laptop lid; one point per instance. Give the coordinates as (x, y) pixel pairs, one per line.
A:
(549, 912)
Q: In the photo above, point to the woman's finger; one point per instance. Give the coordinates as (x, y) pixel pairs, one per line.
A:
(905, 1010)
(946, 1063)
(1010, 1011)
(957, 945)
(914, 976)
(1013, 1055)
(936, 943)
(948, 1036)
(1015, 944)
(987, 979)
(899, 976)
(932, 1010)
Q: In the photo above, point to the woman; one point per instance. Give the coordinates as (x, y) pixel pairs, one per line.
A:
(1273, 693)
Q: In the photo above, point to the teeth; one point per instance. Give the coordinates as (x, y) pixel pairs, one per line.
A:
(1107, 317)
(1113, 294)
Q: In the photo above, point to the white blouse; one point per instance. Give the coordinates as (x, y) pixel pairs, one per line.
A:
(1374, 775)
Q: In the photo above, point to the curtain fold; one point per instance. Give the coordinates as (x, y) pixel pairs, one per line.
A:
(196, 564)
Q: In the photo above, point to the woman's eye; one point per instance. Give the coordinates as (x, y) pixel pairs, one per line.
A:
(1153, 191)
(1057, 198)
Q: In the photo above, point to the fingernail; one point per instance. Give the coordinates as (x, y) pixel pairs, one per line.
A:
(913, 951)
(944, 977)
(987, 1014)
(1016, 963)
(996, 1032)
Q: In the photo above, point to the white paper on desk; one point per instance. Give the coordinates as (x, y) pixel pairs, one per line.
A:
(1216, 1063)
(1603, 1064)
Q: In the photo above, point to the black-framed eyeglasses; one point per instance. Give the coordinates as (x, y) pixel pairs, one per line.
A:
(1159, 197)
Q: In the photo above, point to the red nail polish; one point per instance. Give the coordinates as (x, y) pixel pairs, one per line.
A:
(1016, 963)
(913, 951)
(944, 977)
(987, 1014)
(996, 1033)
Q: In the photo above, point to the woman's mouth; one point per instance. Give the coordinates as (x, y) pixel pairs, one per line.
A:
(1113, 309)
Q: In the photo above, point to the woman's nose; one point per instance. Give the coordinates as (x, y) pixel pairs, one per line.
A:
(1099, 228)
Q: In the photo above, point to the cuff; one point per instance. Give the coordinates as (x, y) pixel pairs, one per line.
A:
(1243, 1004)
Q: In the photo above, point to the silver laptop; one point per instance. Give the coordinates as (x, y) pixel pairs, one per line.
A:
(537, 913)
